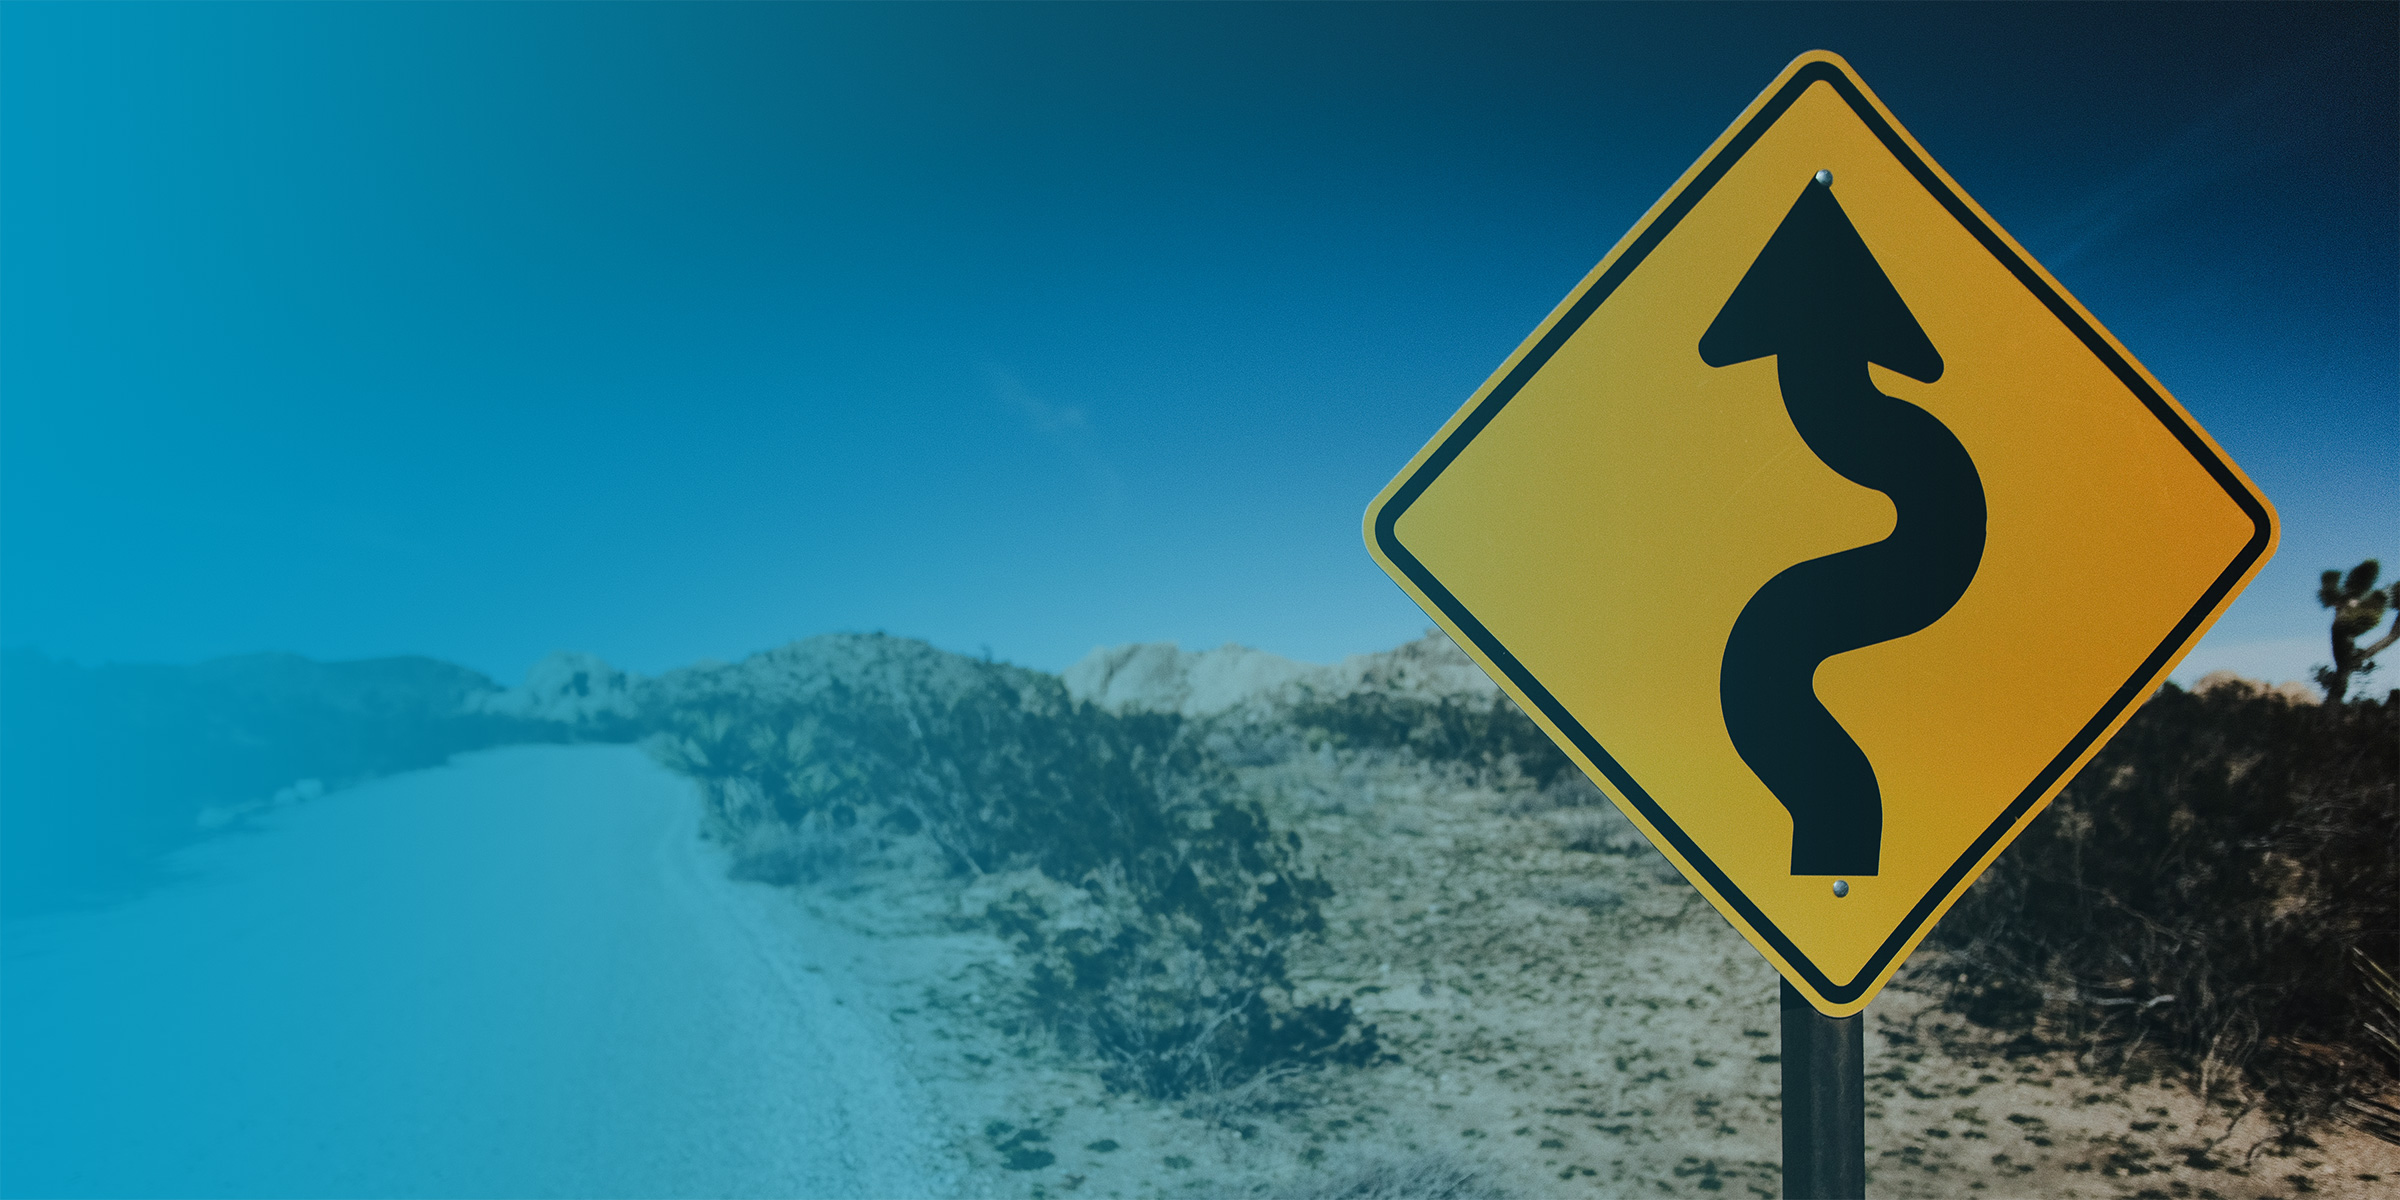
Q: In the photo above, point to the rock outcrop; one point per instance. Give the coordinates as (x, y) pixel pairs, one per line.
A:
(2291, 690)
(568, 686)
(1159, 677)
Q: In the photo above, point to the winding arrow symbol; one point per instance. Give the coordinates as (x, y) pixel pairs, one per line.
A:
(1817, 302)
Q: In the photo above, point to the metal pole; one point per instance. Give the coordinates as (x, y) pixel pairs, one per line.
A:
(1824, 1102)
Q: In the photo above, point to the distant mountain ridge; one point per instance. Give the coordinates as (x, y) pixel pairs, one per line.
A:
(104, 769)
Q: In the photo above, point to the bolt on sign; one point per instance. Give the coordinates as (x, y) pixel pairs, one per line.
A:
(1825, 531)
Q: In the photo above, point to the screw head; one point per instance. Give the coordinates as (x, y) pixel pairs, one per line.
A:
(1824, 179)
(1841, 887)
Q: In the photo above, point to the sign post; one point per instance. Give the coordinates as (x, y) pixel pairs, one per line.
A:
(1824, 1102)
(1829, 536)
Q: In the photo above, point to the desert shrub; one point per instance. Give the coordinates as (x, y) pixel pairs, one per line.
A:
(1151, 897)
(812, 849)
(2198, 895)
(1486, 737)
(2377, 1109)
(1173, 1005)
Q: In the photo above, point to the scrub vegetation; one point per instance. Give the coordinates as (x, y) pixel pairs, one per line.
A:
(1154, 901)
(2178, 977)
(1486, 738)
(2215, 896)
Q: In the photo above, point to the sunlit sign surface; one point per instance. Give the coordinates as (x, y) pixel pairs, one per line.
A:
(1824, 531)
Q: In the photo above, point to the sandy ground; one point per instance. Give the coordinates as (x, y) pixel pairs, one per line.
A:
(527, 975)
(520, 975)
(1562, 1022)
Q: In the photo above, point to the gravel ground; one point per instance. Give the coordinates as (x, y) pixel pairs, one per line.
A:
(1565, 1017)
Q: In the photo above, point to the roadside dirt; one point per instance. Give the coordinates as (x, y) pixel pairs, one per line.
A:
(1563, 1016)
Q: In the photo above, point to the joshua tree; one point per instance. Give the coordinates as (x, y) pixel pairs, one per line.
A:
(2358, 607)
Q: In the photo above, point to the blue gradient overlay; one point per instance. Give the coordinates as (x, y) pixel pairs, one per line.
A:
(671, 333)
(675, 332)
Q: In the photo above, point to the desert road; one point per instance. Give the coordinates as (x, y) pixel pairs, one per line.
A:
(522, 974)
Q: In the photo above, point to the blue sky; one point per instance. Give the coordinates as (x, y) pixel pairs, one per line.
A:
(679, 332)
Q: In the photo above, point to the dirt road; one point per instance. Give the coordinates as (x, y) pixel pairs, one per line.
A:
(522, 974)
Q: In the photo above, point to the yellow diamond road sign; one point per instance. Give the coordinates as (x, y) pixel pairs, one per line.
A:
(1824, 531)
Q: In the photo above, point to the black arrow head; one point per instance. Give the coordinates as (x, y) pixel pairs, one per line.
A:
(1816, 289)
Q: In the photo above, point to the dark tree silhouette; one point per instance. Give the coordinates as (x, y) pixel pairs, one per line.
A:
(2358, 607)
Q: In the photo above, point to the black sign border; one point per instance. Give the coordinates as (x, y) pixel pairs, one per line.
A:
(1589, 302)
